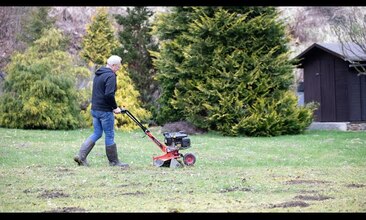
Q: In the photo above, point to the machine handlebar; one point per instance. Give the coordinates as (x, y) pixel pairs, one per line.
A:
(125, 111)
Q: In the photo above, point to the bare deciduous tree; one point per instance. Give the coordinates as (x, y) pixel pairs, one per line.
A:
(350, 29)
(10, 26)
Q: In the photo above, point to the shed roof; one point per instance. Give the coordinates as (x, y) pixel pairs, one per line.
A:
(352, 52)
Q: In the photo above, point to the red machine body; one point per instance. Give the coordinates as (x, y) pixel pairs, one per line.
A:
(174, 140)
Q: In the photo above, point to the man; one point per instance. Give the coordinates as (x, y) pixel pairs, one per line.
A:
(102, 109)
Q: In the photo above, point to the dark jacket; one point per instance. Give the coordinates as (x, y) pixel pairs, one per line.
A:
(104, 90)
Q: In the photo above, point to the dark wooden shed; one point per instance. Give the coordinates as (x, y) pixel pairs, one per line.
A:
(331, 79)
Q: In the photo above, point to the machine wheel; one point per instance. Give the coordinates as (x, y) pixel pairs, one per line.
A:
(189, 159)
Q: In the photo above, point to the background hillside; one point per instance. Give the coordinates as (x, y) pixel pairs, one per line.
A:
(72, 20)
(305, 24)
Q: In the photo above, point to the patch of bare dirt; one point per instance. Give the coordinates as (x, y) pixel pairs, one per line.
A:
(184, 126)
(313, 197)
(354, 185)
(50, 194)
(174, 210)
(67, 209)
(133, 193)
(290, 204)
(308, 191)
(306, 181)
(31, 190)
(298, 201)
(63, 169)
(232, 189)
(21, 145)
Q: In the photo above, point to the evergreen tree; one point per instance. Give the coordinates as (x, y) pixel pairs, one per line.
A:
(34, 24)
(98, 45)
(39, 89)
(228, 69)
(100, 40)
(136, 40)
(169, 28)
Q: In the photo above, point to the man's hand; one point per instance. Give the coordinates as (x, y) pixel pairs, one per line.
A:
(117, 110)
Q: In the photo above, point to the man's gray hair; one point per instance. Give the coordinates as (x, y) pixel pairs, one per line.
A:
(114, 59)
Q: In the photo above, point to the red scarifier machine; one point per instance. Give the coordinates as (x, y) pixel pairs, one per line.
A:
(174, 141)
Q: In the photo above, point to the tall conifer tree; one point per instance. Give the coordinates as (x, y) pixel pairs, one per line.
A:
(228, 69)
(98, 44)
(100, 39)
(34, 24)
(136, 40)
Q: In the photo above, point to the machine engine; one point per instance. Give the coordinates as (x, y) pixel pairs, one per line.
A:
(178, 140)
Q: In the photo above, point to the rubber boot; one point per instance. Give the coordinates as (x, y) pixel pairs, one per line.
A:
(85, 149)
(112, 155)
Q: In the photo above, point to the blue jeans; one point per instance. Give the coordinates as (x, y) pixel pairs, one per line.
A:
(103, 121)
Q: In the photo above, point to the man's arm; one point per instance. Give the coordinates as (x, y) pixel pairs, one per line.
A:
(109, 93)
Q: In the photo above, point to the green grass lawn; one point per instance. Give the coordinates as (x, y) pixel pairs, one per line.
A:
(319, 171)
